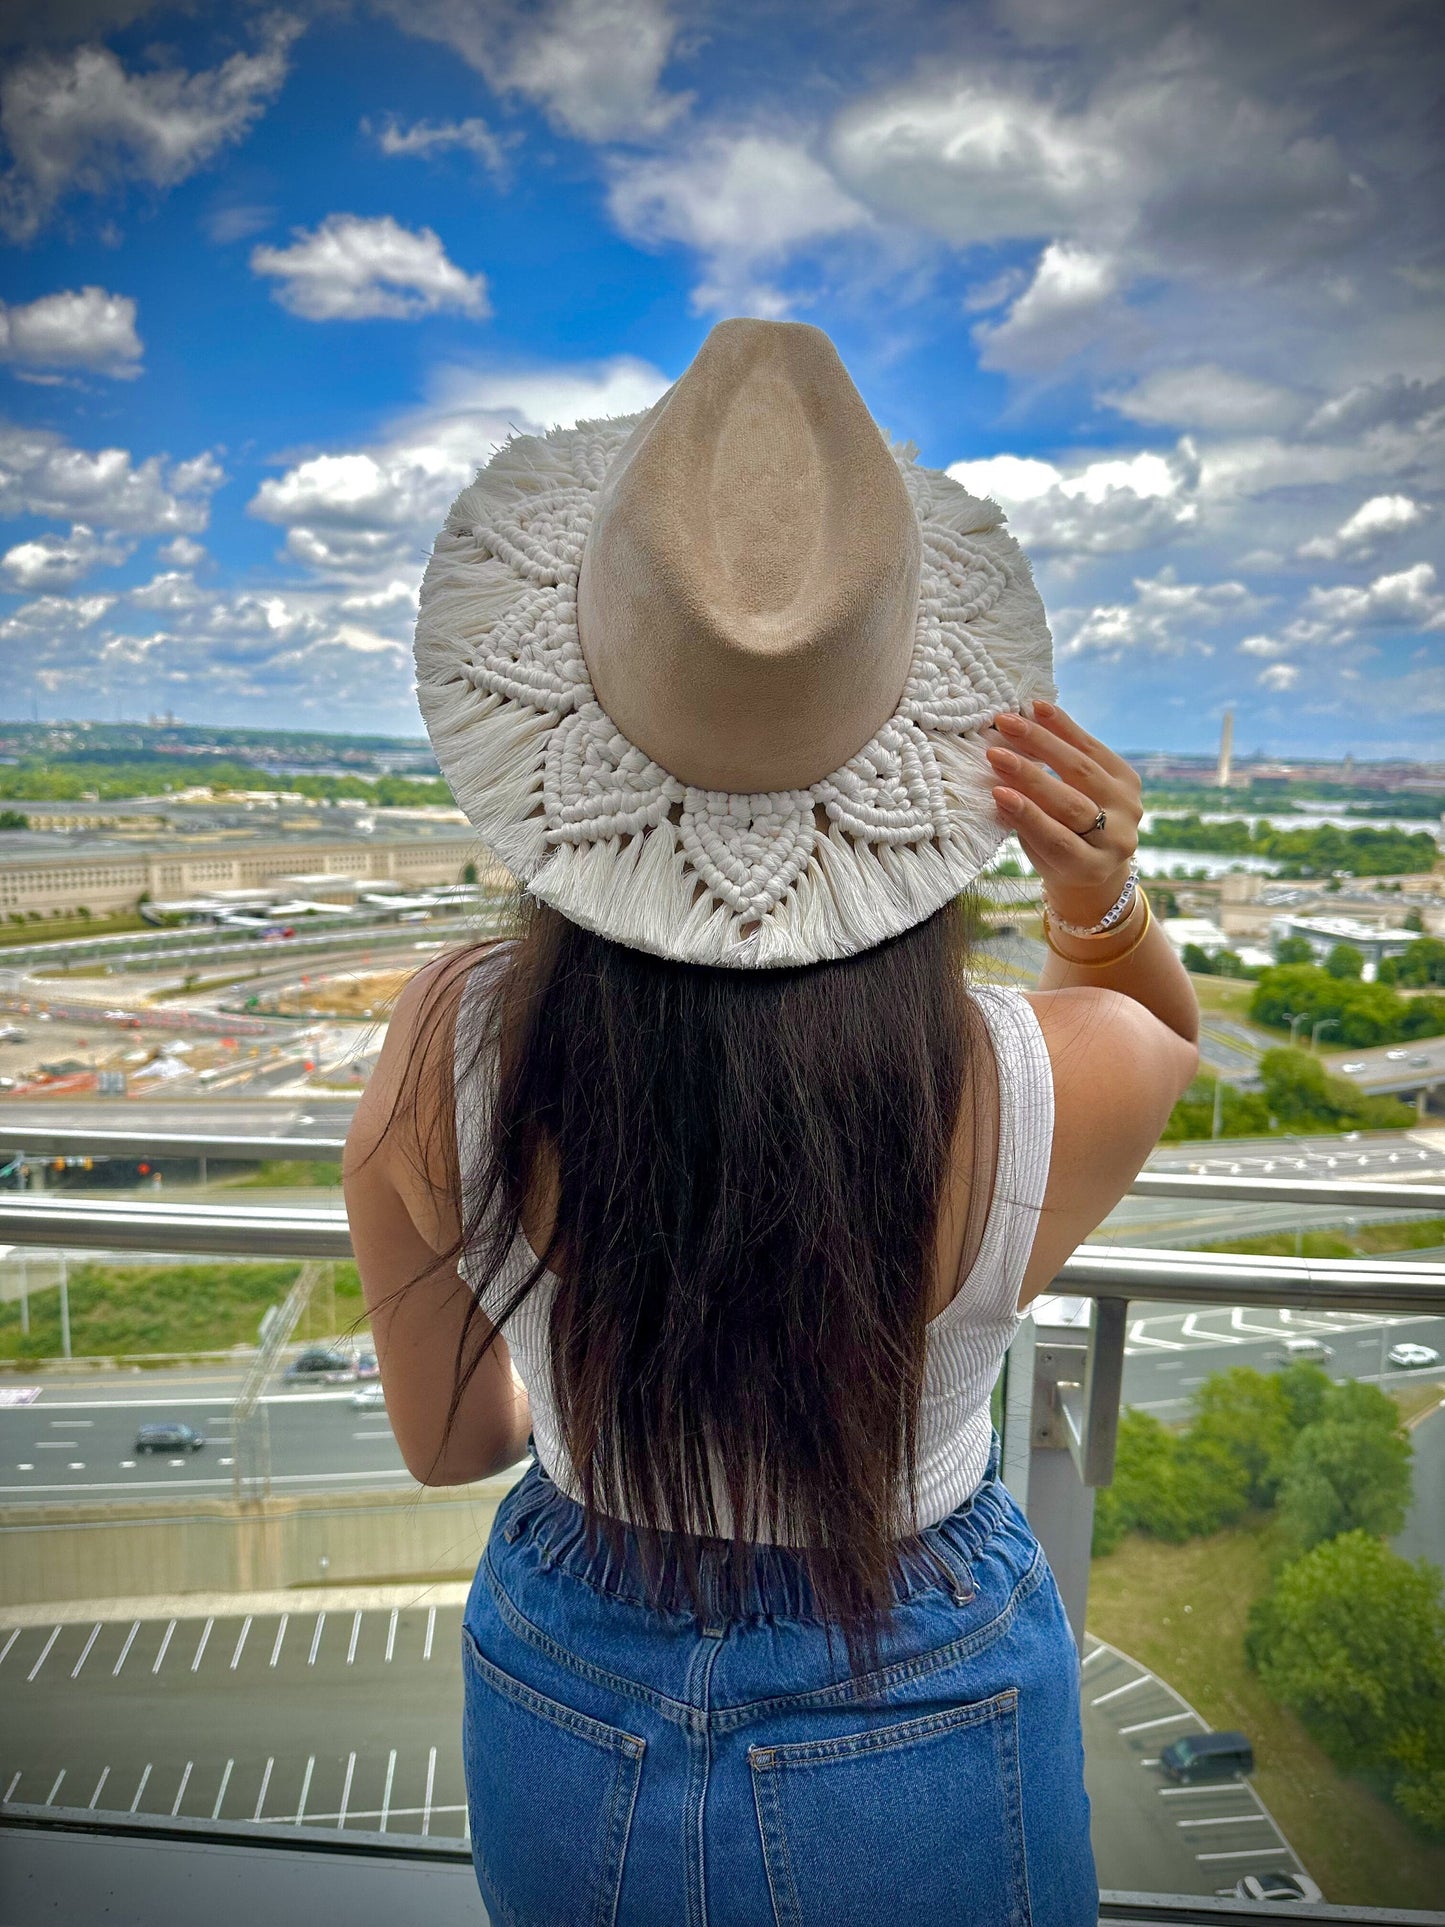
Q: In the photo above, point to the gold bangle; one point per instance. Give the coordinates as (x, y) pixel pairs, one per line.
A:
(1104, 963)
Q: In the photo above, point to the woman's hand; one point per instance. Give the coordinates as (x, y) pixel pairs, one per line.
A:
(1083, 869)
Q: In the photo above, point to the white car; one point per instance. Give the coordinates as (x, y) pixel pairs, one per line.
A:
(1275, 1886)
(368, 1398)
(1412, 1357)
(1397, 1056)
(1351, 1067)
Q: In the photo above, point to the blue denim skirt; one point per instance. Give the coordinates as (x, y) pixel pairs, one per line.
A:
(636, 1767)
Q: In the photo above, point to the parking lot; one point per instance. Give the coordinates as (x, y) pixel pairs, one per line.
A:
(328, 1716)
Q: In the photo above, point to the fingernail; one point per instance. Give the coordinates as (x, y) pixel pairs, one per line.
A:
(1012, 725)
(1043, 709)
(1003, 758)
(1007, 799)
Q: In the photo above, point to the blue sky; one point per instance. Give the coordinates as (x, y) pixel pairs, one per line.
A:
(1165, 277)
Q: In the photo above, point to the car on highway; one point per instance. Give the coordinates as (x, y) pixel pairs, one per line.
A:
(1412, 1357)
(366, 1365)
(168, 1436)
(1207, 1756)
(1303, 1351)
(1276, 1885)
(1420, 1063)
(369, 1398)
(319, 1364)
(1396, 1056)
(1353, 1065)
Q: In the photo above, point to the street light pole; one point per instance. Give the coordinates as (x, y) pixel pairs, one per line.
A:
(1321, 1023)
(1295, 1020)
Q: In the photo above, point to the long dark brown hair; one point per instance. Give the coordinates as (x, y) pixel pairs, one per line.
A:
(748, 1169)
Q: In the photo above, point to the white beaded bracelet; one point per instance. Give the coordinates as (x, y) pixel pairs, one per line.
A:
(1116, 912)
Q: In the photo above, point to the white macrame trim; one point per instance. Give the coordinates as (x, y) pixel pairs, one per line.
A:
(594, 827)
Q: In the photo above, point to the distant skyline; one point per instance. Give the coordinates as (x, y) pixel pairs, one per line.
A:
(1165, 277)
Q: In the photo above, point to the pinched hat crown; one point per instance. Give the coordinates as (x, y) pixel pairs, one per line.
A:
(712, 680)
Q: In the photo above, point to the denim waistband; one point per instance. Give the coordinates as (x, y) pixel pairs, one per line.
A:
(765, 1582)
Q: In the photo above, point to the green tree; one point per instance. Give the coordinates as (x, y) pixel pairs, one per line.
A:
(469, 872)
(1345, 960)
(1294, 950)
(1194, 957)
(1249, 1415)
(1346, 1474)
(1413, 919)
(1352, 1639)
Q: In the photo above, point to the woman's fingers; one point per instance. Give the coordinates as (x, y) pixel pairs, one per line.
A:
(1062, 724)
(1034, 739)
(1049, 846)
(1060, 800)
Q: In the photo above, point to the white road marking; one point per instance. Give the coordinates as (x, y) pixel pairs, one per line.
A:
(1239, 1853)
(346, 1790)
(431, 1773)
(305, 1787)
(1240, 1324)
(85, 1653)
(265, 1783)
(1138, 1336)
(241, 1642)
(390, 1637)
(386, 1790)
(1143, 1726)
(355, 1635)
(316, 1639)
(9, 1791)
(431, 1626)
(384, 1433)
(1193, 1792)
(165, 1641)
(75, 1465)
(15, 1634)
(45, 1653)
(129, 1639)
(225, 1782)
(55, 1445)
(280, 1635)
(1190, 1329)
(1227, 1820)
(385, 1475)
(181, 1789)
(104, 1776)
(1117, 1692)
(141, 1786)
(50, 1797)
(201, 1643)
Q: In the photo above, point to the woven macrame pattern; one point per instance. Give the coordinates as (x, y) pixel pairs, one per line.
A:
(543, 771)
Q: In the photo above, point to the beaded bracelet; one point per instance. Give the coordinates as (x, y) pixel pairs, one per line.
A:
(1115, 914)
(1104, 963)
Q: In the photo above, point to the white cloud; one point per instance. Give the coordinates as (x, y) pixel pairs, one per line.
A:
(42, 474)
(1278, 677)
(1207, 397)
(594, 66)
(426, 137)
(355, 269)
(1065, 306)
(1361, 533)
(548, 397)
(80, 121)
(1109, 505)
(56, 561)
(742, 201)
(182, 552)
(1163, 619)
(1261, 646)
(76, 328)
(1405, 599)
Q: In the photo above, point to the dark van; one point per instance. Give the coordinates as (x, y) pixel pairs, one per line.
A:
(1207, 1756)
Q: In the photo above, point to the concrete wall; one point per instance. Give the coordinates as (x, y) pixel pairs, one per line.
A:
(214, 1545)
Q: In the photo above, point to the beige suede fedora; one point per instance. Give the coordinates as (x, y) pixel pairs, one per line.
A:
(716, 680)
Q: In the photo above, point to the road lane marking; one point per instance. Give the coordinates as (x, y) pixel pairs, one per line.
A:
(1117, 1692)
(305, 1787)
(45, 1654)
(129, 1638)
(1239, 1853)
(1192, 1792)
(431, 1626)
(355, 1635)
(280, 1635)
(431, 1773)
(265, 1783)
(225, 1782)
(85, 1654)
(104, 1776)
(50, 1797)
(390, 1638)
(15, 1634)
(201, 1643)
(1190, 1329)
(55, 1445)
(165, 1641)
(346, 1790)
(9, 1791)
(382, 1475)
(181, 1789)
(1143, 1726)
(316, 1639)
(241, 1643)
(1227, 1820)
(1138, 1336)
(386, 1790)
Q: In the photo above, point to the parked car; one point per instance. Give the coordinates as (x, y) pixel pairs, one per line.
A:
(1412, 1357)
(1275, 1886)
(1207, 1756)
(1307, 1351)
(168, 1436)
(366, 1365)
(320, 1365)
(369, 1398)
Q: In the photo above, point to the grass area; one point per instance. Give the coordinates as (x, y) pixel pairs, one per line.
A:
(53, 929)
(1227, 996)
(281, 1172)
(194, 985)
(138, 1309)
(1182, 1610)
(1416, 1398)
(1365, 1241)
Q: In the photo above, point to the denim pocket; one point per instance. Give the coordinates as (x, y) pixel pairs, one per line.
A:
(914, 1821)
(550, 1793)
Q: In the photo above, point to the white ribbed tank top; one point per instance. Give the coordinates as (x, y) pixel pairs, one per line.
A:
(966, 1342)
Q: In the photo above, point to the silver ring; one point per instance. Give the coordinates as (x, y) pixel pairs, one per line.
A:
(1097, 824)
